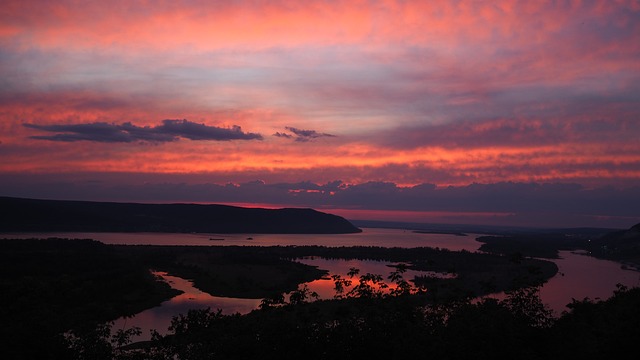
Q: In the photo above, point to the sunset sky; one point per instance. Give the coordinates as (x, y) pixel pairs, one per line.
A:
(523, 113)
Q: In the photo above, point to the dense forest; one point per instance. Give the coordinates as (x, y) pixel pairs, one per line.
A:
(59, 295)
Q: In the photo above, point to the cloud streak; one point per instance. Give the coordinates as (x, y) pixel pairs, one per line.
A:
(170, 130)
(301, 135)
(513, 133)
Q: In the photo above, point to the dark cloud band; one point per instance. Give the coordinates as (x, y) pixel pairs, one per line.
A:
(526, 204)
(170, 130)
(301, 135)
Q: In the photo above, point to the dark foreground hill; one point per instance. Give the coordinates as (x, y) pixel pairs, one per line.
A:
(17, 214)
(622, 245)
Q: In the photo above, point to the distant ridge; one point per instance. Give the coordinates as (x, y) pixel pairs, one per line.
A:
(482, 229)
(621, 240)
(32, 215)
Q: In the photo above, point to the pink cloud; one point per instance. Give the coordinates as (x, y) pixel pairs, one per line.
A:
(415, 92)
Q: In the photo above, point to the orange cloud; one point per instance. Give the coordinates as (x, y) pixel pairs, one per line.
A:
(411, 92)
(208, 26)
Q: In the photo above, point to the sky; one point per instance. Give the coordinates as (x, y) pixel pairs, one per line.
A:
(515, 113)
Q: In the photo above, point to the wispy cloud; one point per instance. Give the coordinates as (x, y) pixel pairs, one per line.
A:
(170, 130)
(451, 93)
(283, 135)
(512, 133)
(301, 135)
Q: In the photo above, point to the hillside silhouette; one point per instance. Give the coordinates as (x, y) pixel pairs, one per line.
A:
(622, 246)
(32, 215)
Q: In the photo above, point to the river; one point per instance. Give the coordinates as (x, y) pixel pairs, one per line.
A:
(368, 237)
(580, 276)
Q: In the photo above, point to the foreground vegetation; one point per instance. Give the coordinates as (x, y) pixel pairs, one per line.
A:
(58, 296)
(367, 324)
(50, 286)
(260, 271)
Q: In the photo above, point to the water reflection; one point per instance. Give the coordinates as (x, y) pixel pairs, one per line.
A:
(368, 237)
(159, 318)
(581, 276)
(325, 288)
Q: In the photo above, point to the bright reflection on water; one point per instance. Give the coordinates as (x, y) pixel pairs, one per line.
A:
(325, 287)
(159, 318)
(580, 276)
